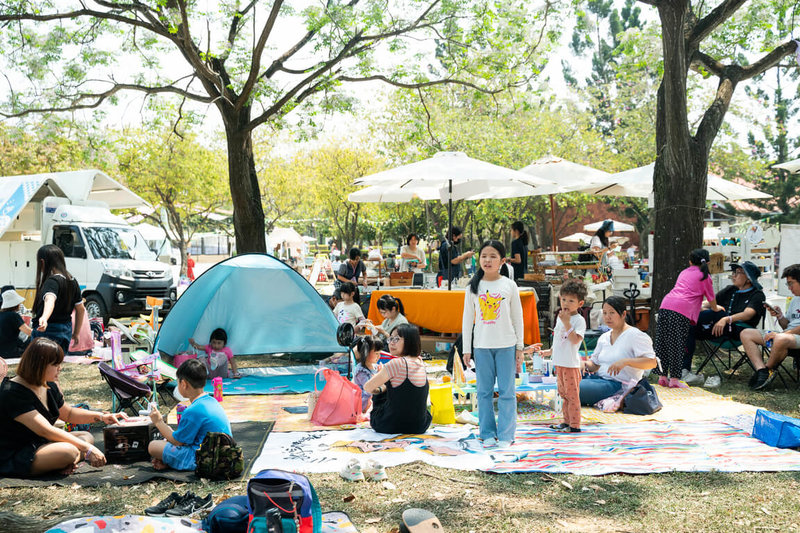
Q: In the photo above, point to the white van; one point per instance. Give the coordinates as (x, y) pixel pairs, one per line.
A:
(109, 258)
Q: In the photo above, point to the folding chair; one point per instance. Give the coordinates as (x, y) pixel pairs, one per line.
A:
(127, 392)
(717, 349)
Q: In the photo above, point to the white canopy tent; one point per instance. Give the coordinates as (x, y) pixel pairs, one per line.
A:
(449, 176)
(565, 174)
(638, 183)
(618, 226)
(792, 166)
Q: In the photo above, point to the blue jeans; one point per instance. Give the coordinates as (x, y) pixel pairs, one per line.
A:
(496, 364)
(594, 388)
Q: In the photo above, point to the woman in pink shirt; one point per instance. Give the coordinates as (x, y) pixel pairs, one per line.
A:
(678, 312)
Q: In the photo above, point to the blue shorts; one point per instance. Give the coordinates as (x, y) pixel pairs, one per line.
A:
(179, 457)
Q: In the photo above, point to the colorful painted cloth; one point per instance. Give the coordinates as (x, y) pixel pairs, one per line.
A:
(128, 524)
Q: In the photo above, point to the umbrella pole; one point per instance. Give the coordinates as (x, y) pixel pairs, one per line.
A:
(449, 229)
(553, 221)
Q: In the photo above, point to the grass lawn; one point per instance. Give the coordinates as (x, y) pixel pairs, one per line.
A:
(474, 501)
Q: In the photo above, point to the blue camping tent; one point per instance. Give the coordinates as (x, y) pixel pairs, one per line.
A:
(262, 304)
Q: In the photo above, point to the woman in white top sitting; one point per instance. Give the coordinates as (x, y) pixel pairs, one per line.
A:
(621, 355)
(412, 257)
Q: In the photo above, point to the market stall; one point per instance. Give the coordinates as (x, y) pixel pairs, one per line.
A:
(441, 310)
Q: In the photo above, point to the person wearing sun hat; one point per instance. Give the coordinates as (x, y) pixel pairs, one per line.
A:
(739, 306)
(14, 333)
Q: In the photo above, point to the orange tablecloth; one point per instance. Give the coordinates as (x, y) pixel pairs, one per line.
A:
(441, 310)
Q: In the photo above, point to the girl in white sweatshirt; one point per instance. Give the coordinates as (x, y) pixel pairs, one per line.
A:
(493, 307)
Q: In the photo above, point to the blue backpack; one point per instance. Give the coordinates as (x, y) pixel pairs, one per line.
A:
(285, 502)
(229, 516)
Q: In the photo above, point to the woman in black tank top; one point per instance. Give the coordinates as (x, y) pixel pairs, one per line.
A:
(404, 408)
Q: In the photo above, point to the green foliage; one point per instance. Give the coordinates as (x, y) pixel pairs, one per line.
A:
(179, 175)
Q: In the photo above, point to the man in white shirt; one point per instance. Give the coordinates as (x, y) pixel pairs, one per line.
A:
(789, 339)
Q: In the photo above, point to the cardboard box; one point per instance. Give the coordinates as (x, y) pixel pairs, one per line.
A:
(127, 442)
(430, 342)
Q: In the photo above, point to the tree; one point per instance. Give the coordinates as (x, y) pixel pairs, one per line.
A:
(256, 66)
(680, 176)
(178, 175)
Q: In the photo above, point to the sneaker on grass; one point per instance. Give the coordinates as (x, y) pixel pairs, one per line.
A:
(765, 378)
(167, 504)
(191, 506)
(690, 378)
(353, 471)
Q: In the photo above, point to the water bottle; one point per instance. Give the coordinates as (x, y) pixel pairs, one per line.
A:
(217, 381)
(179, 411)
(537, 364)
(769, 342)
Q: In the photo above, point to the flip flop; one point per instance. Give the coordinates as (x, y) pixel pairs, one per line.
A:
(420, 521)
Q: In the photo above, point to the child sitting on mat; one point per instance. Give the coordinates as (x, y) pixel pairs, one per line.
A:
(367, 354)
(204, 415)
(218, 355)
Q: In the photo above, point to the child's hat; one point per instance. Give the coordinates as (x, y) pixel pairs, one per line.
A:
(11, 299)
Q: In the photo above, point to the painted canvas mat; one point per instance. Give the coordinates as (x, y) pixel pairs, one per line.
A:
(691, 404)
(330, 451)
(645, 448)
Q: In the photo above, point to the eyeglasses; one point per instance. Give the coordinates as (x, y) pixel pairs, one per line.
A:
(393, 339)
(736, 273)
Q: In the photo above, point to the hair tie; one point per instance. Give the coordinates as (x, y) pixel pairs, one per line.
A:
(702, 260)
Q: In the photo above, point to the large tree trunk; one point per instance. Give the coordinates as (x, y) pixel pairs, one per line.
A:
(248, 214)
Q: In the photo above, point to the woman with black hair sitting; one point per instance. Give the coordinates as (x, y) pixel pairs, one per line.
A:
(393, 313)
(400, 388)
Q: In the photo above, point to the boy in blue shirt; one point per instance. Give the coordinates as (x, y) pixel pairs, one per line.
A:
(204, 415)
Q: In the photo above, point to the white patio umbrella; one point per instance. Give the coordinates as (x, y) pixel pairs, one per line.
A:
(576, 237)
(565, 174)
(792, 166)
(638, 183)
(618, 226)
(449, 176)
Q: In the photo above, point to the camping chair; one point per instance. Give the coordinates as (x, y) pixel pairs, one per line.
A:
(718, 350)
(127, 392)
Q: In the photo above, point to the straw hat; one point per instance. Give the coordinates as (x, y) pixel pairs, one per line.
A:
(11, 299)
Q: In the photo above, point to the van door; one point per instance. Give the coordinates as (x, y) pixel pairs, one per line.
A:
(69, 239)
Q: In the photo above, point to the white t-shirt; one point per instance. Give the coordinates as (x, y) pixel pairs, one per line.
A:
(793, 313)
(404, 266)
(348, 312)
(631, 343)
(496, 312)
(564, 352)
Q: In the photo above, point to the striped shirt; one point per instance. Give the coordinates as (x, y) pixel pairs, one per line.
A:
(396, 368)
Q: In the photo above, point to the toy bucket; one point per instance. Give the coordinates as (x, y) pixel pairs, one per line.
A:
(442, 403)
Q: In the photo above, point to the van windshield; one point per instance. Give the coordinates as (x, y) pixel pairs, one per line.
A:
(117, 243)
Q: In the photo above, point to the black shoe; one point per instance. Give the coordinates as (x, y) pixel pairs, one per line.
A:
(562, 425)
(191, 506)
(569, 429)
(753, 379)
(760, 377)
(164, 505)
(765, 378)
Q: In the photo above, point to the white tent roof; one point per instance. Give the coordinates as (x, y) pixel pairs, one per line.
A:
(791, 166)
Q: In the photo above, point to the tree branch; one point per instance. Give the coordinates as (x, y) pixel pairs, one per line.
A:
(255, 65)
(422, 85)
(84, 13)
(710, 22)
(101, 97)
(234, 29)
(700, 59)
(769, 60)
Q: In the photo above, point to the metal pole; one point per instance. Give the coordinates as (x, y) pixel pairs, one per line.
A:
(449, 229)
(553, 221)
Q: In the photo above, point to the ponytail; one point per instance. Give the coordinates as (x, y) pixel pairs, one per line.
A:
(364, 345)
(700, 258)
(475, 281)
(519, 227)
(387, 302)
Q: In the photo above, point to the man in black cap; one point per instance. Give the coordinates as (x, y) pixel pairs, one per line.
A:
(739, 306)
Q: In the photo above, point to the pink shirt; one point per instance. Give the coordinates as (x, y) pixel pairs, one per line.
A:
(686, 297)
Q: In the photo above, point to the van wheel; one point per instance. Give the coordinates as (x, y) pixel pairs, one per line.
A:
(95, 308)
